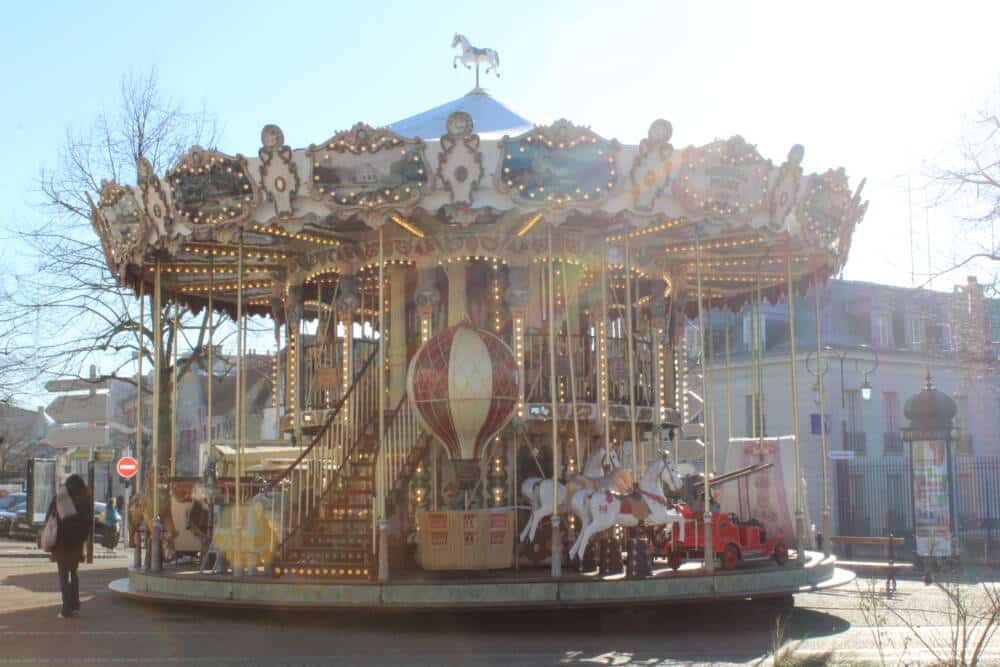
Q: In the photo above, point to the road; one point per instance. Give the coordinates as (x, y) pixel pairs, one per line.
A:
(118, 632)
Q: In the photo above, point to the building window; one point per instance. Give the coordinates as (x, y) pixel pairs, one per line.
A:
(916, 332)
(854, 434)
(883, 330)
(892, 440)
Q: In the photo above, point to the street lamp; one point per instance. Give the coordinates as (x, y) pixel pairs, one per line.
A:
(866, 389)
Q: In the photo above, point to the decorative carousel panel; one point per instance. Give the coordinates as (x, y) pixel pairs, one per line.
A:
(210, 188)
(126, 223)
(726, 179)
(278, 174)
(367, 168)
(827, 208)
(460, 163)
(558, 164)
(156, 202)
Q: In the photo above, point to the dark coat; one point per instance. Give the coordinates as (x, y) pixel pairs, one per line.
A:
(73, 532)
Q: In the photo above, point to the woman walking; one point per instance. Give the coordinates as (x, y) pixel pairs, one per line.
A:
(73, 509)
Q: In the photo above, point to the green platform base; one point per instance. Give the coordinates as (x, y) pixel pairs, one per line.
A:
(515, 591)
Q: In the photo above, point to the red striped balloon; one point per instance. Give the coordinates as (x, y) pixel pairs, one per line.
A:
(462, 384)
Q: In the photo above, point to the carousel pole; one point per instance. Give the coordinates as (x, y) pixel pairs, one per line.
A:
(636, 448)
(602, 350)
(822, 423)
(139, 432)
(211, 379)
(707, 502)
(799, 514)
(173, 391)
(134, 489)
(572, 373)
(381, 467)
(729, 385)
(556, 538)
(710, 389)
(157, 362)
(237, 518)
(211, 343)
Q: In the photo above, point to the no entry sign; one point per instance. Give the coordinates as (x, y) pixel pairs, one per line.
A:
(127, 467)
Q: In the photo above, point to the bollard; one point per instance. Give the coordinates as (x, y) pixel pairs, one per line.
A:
(140, 537)
(155, 547)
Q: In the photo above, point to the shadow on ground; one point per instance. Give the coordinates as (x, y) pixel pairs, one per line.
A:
(724, 631)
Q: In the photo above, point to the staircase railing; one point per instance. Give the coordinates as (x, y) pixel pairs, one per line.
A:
(393, 457)
(303, 483)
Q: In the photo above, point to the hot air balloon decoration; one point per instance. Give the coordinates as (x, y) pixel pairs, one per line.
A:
(463, 386)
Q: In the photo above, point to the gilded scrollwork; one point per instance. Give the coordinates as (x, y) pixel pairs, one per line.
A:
(279, 176)
(651, 169)
(460, 162)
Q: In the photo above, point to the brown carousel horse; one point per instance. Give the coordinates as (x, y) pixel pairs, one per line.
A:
(140, 513)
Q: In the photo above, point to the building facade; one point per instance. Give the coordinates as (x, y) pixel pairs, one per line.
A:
(878, 344)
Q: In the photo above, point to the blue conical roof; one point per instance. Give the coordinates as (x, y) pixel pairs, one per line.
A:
(488, 116)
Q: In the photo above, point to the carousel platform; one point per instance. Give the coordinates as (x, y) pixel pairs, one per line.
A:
(484, 591)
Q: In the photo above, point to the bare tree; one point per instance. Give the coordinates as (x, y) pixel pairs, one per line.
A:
(976, 184)
(69, 311)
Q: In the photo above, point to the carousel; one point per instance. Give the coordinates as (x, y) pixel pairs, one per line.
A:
(490, 375)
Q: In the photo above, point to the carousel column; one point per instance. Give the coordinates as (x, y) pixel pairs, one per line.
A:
(397, 333)
(457, 306)
(428, 298)
(136, 486)
(800, 529)
(155, 548)
(293, 323)
(382, 464)
(658, 309)
(822, 421)
(707, 500)
(517, 298)
(602, 358)
(556, 537)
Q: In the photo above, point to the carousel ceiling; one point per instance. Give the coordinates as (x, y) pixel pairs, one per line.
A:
(296, 212)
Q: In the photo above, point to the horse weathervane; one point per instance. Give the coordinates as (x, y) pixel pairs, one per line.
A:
(472, 56)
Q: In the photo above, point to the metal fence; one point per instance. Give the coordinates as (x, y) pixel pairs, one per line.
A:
(875, 497)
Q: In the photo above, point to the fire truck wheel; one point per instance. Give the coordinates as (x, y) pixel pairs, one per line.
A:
(730, 557)
(780, 553)
(675, 558)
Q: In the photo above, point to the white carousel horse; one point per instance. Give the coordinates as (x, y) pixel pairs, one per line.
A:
(472, 56)
(600, 510)
(538, 491)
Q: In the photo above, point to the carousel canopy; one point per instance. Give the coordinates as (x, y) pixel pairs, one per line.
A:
(473, 179)
(488, 116)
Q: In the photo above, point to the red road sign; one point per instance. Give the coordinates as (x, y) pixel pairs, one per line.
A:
(127, 467)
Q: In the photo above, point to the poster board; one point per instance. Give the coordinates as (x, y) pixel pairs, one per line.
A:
(931, 499)
(41, 476)
(473, 540)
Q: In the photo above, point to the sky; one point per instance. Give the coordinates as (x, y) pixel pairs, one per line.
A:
(886, 90)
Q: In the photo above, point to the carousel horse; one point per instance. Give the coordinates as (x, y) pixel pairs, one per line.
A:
(538, 491)
(472, 56)
(140, 513)
(600, 510)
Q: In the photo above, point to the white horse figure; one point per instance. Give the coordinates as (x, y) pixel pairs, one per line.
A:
(472, 56)
(600, 510)
(538, 491)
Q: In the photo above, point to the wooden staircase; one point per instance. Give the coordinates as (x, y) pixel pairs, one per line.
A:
(332, 533)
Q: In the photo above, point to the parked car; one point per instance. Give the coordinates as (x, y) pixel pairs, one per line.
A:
(8, 510)
(21, 527)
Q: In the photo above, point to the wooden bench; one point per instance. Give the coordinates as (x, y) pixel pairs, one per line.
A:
(889, 543)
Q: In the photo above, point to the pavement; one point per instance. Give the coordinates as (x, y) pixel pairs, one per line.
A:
(830, 626)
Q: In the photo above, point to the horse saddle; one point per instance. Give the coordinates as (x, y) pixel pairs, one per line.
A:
(632, 503)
